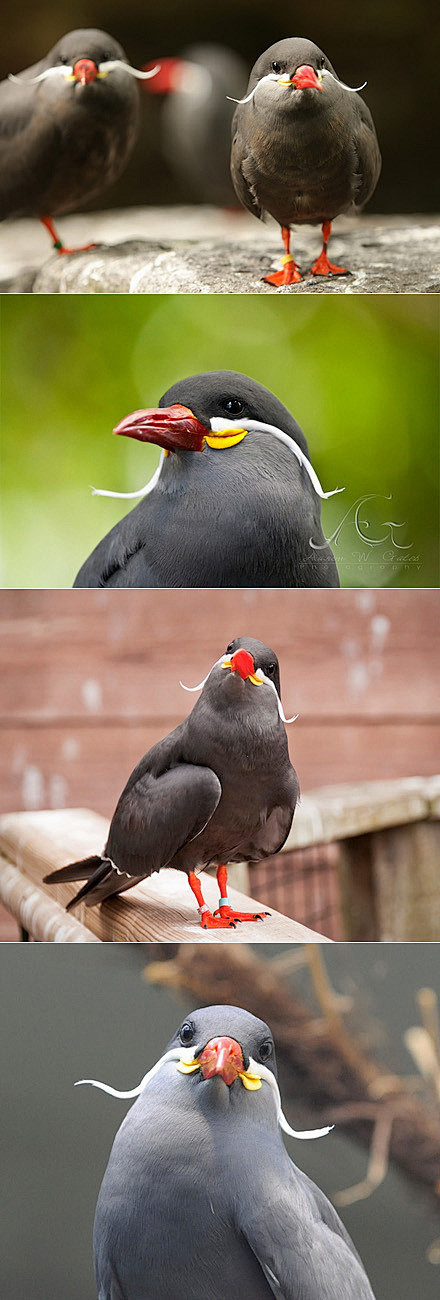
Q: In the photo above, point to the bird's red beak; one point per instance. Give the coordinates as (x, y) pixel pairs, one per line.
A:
(85, 71)
(165, 80)
(305, 78)
(171, 427)
(222, 1056)
(243, 664)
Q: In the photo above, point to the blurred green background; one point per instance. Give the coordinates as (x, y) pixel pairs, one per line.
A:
(360, 374)
(385, 44)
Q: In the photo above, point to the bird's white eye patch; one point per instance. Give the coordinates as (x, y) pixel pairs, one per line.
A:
(269, 1078)
(256, 426)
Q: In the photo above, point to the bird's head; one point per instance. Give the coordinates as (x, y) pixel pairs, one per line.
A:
(224, 412)
(224, 1053)
(85, 58)
(246, 664)
(291, 76)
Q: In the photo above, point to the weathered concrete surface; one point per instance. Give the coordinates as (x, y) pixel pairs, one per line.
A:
(199, 250)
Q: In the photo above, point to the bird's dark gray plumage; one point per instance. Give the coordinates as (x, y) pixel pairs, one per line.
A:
(61, 142)
(243, 516)
(220, 788)
(200, 1198)
(303, 155)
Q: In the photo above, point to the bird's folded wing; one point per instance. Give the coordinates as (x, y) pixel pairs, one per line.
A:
(242, 182)
(157, 815)
(299, 1251)
(120, 559)
(272, 835)
(367, 153)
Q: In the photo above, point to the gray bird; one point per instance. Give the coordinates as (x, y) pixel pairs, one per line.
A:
(235, 501)
(304, 147)
(220, 788)
(67, 127)
(200, 1199)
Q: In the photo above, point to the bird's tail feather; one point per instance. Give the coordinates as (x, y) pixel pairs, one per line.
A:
(74, 871)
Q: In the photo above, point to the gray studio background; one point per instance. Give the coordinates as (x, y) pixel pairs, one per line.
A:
(69, 1013)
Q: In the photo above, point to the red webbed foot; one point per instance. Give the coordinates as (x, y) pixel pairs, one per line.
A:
(290, 273)
(228, 912)
(322, 266)
(208, 921)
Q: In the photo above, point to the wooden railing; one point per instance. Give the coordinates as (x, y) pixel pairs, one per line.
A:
(389, 872)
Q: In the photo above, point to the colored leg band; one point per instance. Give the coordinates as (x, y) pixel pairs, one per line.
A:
(223, 902)
(203, 908)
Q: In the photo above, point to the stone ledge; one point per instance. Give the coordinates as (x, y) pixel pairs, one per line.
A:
(201, 251)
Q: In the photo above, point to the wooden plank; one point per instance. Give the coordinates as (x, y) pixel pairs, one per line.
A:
(40, 916)
(61, 767)
(160, 909)
(340, 812)
(406, 875)
(120, 654)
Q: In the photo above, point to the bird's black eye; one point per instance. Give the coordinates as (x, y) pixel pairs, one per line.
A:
(61, 59)
(271, 669)
(276, 67)
(233, 406)
(265, 1050)
(186, 1033)
(322, 61)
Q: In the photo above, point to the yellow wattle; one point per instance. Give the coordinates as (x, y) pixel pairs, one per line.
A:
(250, 1081)
(220, 440)
(188, 1067)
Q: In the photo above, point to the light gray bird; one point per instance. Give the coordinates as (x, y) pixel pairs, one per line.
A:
(200, 1200)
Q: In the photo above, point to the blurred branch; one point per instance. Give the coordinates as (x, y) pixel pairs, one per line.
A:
(323, 1069)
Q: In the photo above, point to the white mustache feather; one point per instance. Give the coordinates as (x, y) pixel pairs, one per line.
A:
(129, 496)
(258, 673)
(185, 1054)
(65, 70)
(276, 76)
(256, 426)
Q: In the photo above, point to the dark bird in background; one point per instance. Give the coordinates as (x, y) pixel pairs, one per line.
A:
(234, 503)
(304, 147)
(67, 127)
(200, 1199)
(196, 118)
(220, 788)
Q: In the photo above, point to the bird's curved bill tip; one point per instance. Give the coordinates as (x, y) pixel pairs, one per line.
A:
(172, 427)
(222, 1056)
(241, 662)
(85, 71)
(306, 79)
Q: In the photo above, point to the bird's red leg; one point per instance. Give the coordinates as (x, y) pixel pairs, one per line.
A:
(58, 243)
(290, 273)
(224, 908)
(322, 266)
(207, 920)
